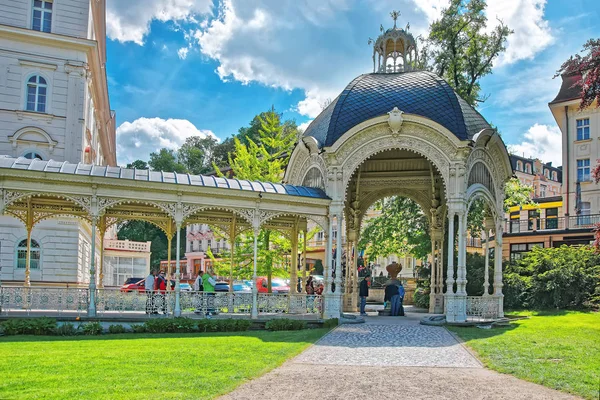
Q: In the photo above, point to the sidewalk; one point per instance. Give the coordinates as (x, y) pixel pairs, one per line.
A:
(389, 358)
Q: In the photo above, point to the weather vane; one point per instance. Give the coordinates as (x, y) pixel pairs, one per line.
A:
(395, 15)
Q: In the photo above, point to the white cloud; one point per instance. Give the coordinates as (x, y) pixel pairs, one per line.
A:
(129, 20)
(302, 127)
(532, 32)
(183, 52)
(541, 141)
(137, 139)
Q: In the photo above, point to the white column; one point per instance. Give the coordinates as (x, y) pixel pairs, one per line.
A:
(461, 269)
(329, 257)
(294, 261)
(254, 313)
(92, 287)
(338, 255)
(450, 269)
(177, 311)
(498, 268)
(486, 269)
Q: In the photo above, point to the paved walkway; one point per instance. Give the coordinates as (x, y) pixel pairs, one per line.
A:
(389, 358)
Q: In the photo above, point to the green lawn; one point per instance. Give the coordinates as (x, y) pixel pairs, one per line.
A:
(143, 366)
(560, 350)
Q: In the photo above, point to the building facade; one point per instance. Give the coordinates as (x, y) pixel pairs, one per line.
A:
(54, 105)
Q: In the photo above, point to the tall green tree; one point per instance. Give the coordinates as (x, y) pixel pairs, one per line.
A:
(166, 160)
(139, 164)
(401, 228)
(461, 50)
(196, 154)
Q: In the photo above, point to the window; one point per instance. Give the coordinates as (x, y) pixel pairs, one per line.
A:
(554, 176)
(518, 250)
(542, 190)
(528, 168)
(208, 244)
(547, 173)
(320, 236)
(42, 16)
(34, 254)
(36, 94)
(515, 222)
(552, 218)
(519, 166)
(533, 218)
(584, 214)
(583, 129)
(31, 155)
(583, 170)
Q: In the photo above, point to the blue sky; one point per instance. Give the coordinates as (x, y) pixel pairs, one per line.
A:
(178, 68)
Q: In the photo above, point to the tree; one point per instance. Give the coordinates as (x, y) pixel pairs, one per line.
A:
(587, 67)
(461, 49)
(166, 160)
(253, 162)
(517, 194)
(196, 154)
(401, 228)
(222, 152)
(252, 132)
(139, 164)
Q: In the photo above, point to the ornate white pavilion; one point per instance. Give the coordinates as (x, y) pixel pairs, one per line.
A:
(396, 131)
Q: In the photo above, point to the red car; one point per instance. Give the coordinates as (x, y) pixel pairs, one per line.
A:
(277, 286)
(133, 284)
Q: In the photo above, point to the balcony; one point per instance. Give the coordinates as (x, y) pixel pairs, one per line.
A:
(585, 222)
(126, 245)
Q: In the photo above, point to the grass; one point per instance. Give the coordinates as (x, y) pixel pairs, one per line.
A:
(144, 366)
(560, 350)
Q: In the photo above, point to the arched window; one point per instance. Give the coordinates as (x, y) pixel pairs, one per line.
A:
(554, 176)
(36, 94)
(34, 252)
(32, 155)
(519, 166)
(528, 168)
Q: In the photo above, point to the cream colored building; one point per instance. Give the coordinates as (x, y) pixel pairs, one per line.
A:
(53, 106)
(580, 151)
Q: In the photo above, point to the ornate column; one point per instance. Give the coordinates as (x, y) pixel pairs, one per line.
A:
(29, 228)
(92, 287)
(436, 297)
(304, 261)
(450, 267)
(331, 299)
(489, 225)
(354, 281)
(256, 231)
(338, 255)
(232, 250)
(498, 267)
(461, 269)
(102, 229)
(294, 260)
(178, 226)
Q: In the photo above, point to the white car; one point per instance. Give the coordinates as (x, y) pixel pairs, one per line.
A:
(185, 287)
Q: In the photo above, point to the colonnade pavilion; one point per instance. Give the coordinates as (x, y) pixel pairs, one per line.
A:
(396, 131)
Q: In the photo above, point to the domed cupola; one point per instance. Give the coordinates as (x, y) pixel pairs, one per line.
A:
(395, 49)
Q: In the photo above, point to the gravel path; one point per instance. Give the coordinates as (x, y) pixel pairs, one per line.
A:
(389, 358)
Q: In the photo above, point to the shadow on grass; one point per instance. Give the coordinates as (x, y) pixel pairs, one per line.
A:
(472, 332)
(306, 335)
(548, 312)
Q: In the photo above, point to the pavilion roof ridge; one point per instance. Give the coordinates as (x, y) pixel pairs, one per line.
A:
(64, 167)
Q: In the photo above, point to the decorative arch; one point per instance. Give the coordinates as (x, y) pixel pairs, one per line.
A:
(479, 191)
(105, 203)
(32, 135)
(418, 139)
(314, 177)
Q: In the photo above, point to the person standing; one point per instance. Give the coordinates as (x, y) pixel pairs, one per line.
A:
(209, 282)
(149, 288)
(310, 285)
(391, 295)
(401, 300)
(199, 288)
(161, 287)
(363, 292)
(198, 283)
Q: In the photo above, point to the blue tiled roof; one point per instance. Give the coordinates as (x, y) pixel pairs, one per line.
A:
(371, 95)
(145, 175)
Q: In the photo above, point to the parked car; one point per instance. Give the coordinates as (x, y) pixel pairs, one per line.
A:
(222, 287)
(278, 286)
(185, 287)
(239, 287)
(133, 284)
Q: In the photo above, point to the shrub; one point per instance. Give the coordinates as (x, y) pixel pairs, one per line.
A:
(170, 325)
(117, 329)
(92, 328)
(223, 325)
(330, 323)
(421, 298)
(285, 324)
(30, 326)
(564, 277)
(66, 329)
(138, 328)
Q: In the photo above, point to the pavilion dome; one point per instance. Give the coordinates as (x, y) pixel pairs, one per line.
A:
(396, 82)
(415, 92)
